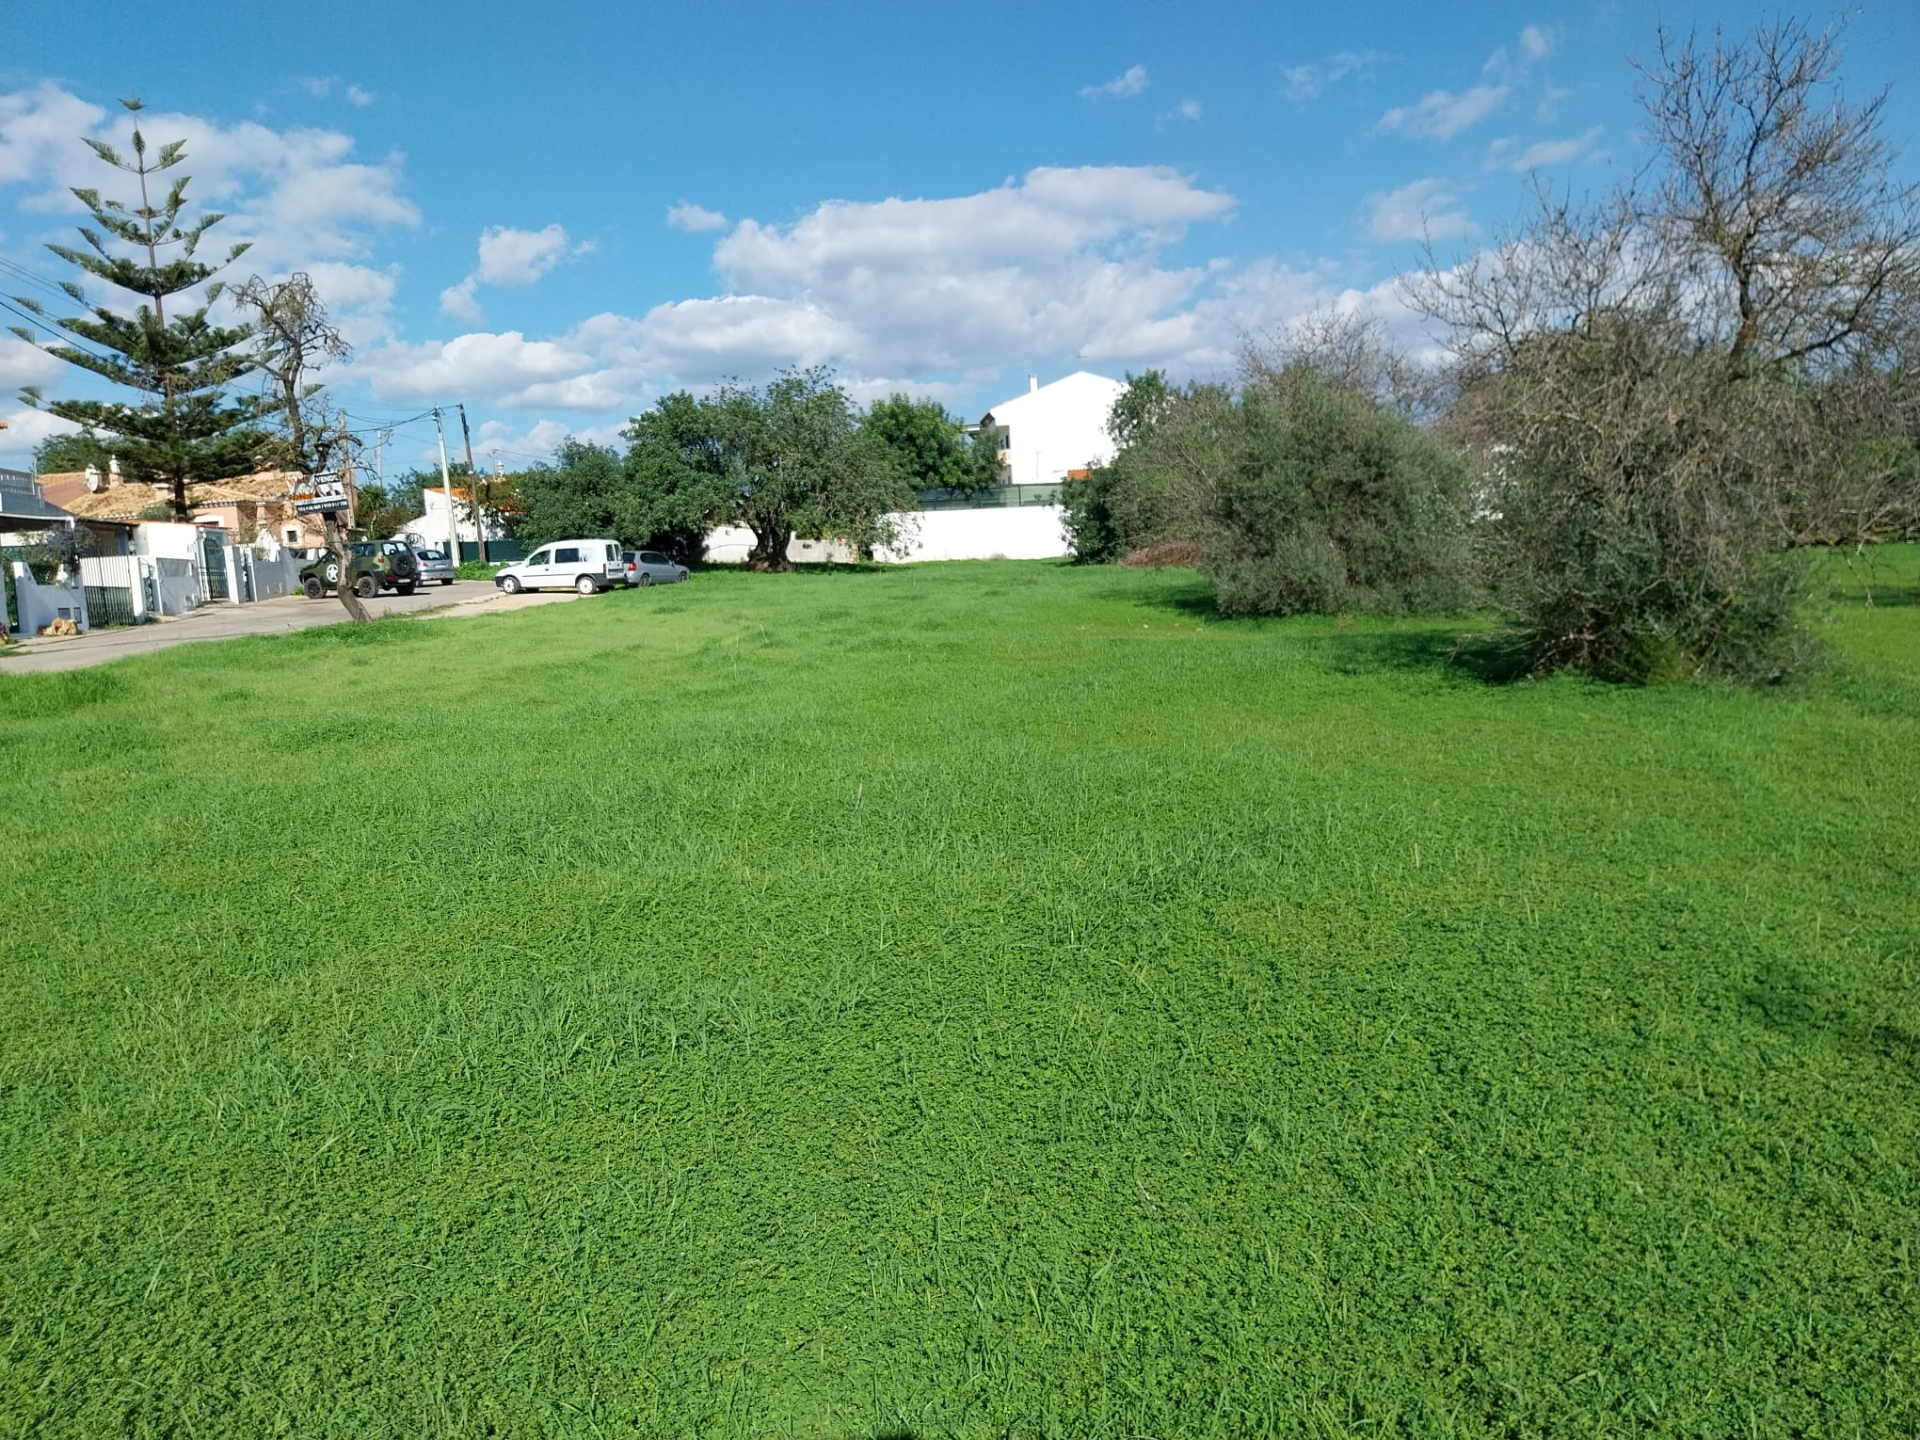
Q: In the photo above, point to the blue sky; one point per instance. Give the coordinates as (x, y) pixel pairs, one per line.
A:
(557, 212)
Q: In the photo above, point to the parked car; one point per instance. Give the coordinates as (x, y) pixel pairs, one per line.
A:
(650, 567)
(372, 566)
(584, 565)
(435, 565)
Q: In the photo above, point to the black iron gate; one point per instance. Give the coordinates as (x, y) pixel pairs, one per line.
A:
(110, 580)
(213, 563)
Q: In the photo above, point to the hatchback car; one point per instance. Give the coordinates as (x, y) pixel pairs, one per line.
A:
(584, 565)
(650, 567)
(435, 565)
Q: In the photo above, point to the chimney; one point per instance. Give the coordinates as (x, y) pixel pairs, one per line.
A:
(1033, 382)
(113, 469)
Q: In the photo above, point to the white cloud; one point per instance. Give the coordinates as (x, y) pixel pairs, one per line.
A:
(25, 364)
(26, 430)
(1124, 86)
(299, 197)
(931, 296)
(1441, 114)
(457, 302)
(322, 87)
(508, 257)
(694, 218)
(1542, 153)
(1422, 210)
(1536, 44)
(1186, 110)
(520, 446)
(1309, 82)
(520, 257)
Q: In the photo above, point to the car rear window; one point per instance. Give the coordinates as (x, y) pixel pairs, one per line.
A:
(613, 552)
(433, 554)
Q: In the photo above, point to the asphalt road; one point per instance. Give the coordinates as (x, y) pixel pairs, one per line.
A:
(223, 621)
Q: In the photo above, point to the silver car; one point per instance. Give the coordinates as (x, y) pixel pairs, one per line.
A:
(435, 565)
(650, 567)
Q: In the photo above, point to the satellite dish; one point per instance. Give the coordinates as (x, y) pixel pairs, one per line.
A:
(93, 478)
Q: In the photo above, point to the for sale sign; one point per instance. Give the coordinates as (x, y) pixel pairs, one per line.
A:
(327, 495)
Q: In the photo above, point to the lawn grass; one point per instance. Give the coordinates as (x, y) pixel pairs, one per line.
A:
(973, 999)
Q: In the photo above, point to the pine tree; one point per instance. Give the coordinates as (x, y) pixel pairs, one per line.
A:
(185, 428)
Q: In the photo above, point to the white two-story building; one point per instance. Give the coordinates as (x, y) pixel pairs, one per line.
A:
(1054, 429)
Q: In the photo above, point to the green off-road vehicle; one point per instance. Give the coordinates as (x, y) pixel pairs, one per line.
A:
(372, 566)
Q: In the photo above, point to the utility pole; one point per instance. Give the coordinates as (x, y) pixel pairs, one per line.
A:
(473, 490)
(346, 472)
(446, 480)
(380, 457)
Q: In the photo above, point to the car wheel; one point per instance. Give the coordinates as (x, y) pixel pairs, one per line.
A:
(314, 588)
(366, 587)
(446, 582)
(683, 576)
(405, 587)
(645, 579)
(510, 584)
(586, 585)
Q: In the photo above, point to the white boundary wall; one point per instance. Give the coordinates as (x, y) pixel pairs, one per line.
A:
(1001, 532)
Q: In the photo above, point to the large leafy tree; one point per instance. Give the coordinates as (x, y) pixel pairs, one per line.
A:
(794, 460)
(931, 447)
(185, 427)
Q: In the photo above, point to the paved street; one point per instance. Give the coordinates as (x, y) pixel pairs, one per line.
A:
(221, 621)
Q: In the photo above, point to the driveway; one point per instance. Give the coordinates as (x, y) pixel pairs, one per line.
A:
(223, 621)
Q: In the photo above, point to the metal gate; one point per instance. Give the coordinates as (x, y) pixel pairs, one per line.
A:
(109, 582)
(214, 564)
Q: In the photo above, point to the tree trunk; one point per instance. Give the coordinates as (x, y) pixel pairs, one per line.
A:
(769, 553)
(182, 512)
(338, 549)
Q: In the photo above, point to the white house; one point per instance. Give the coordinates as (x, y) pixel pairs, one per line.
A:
(1055, 428)
(432, 526)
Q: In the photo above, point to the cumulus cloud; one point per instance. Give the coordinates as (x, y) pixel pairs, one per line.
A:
(457, 301)
(1535, 43)
(1502, 155)
(1189, 110)
(1423, 210)
(931, 296)
(301, 198)
(1441, 114)
(694, 218)
(359, 97)
(1309, 82)
(508, 257)
(1124, 86)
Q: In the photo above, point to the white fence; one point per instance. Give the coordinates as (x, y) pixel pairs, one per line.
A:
(1001, 532)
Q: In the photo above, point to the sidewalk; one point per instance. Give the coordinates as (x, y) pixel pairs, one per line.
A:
(224, 621)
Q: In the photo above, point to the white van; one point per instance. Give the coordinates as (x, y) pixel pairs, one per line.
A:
(583, 565)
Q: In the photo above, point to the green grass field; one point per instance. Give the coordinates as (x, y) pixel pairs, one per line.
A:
(980, 999)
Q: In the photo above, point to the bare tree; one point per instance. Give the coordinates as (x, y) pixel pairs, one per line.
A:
(1352, 350)
(1665, 384)
(295, 340)
(1779, 196)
